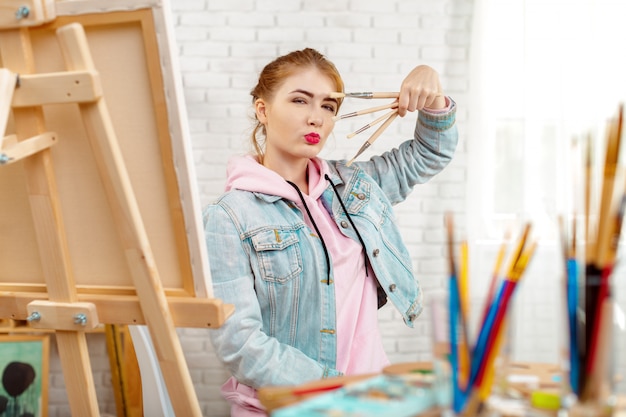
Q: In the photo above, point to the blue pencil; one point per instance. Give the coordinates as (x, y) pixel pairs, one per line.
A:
(483, 335)
(572, 303)
(454, 304)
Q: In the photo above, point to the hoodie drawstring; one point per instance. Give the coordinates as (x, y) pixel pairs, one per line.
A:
(308, 212)
(365, 259)
(317, 230)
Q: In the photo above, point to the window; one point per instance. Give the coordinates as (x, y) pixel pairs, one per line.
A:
(545, 74)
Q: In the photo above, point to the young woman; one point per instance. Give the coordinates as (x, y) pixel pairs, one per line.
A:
(307, 249)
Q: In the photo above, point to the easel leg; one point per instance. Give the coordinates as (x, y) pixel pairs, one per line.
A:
(72, 351)
(16, 54)
(7, 86)
(132, 232)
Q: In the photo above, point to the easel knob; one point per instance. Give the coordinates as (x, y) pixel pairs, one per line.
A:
(79, 316)
(28, 13)
(22, 12)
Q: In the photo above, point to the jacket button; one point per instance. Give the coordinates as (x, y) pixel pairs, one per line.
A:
(376, 252)
(360, 196)
(412, 317)
(392, 287)
(344, 224)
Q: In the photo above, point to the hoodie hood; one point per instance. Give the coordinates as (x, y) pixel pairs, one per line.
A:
(245, 173)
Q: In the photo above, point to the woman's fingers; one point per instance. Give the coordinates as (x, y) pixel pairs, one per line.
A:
(419, 89)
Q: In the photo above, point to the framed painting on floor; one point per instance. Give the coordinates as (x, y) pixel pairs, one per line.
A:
(24, 372)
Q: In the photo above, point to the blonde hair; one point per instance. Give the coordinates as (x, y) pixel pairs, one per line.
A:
(273, 75)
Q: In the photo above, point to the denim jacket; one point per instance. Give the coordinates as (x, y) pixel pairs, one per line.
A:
(265, 262)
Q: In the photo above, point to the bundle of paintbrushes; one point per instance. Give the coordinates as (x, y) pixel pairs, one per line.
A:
(472, 364)
(387, 118)
(590, 311)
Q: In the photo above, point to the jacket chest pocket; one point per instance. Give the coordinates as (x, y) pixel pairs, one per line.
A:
(278, 254)
(365, 203)
(359, 196)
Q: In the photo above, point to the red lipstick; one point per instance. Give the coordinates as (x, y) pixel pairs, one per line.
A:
(312, 138)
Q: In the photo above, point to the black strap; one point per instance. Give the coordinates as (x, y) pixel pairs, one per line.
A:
(316, 230)
(366, 260)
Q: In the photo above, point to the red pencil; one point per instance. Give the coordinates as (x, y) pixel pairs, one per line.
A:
(314, 390)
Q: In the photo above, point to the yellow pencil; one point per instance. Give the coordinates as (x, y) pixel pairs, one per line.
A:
(464, 354)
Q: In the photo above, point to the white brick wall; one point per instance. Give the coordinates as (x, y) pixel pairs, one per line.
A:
(374, 44)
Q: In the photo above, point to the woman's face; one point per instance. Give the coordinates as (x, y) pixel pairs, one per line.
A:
(299, 118)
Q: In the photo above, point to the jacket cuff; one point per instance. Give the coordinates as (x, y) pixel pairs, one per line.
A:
(438, 121)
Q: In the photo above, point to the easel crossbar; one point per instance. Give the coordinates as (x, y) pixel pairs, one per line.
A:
(126, 309)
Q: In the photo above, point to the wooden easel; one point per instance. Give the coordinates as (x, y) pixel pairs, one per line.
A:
(62, 306)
